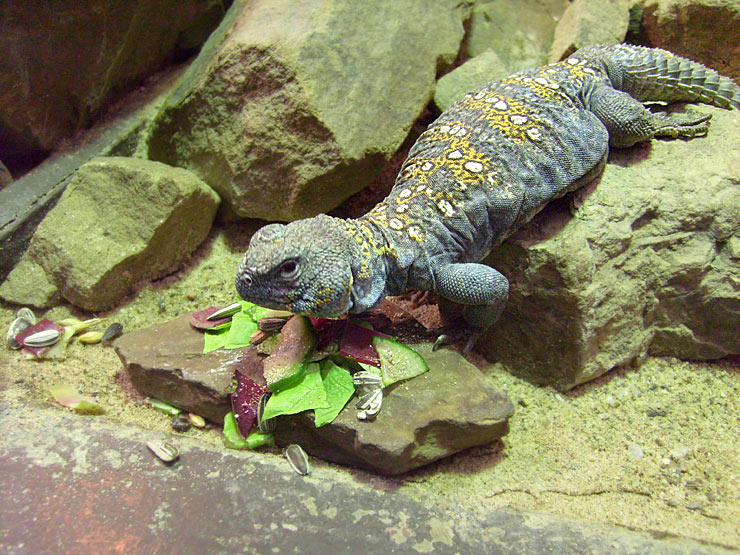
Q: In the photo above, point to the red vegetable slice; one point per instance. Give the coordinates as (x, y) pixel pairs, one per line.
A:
(327, 330)
(199, 320)
(244, 402)
(42, 325)
(357, 343)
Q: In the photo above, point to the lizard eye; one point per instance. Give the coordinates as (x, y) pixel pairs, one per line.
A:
(289, 269)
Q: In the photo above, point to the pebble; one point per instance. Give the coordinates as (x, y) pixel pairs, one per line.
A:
(679, 452)
(636, 451)
(181, 423)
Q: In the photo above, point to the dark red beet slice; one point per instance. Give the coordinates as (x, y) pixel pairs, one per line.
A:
(327, 330)
(244, 402)
(357, 343)
(41, 325)
(199, 320)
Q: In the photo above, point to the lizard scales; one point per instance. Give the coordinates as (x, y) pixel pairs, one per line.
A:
(480, 171)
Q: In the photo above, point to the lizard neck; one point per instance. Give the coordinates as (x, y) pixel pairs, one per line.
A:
(377, 269)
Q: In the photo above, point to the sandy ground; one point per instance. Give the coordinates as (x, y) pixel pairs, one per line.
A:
(651, 449)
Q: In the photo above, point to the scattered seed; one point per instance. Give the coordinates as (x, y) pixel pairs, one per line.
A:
(164, 451)
(181, 423)
(26, 313)
(258, 337)
(113, 331)
(365, 378)
(78, 325)
(17, 326)
(225, 312)
(43, 338)
(197, 420)
(297, 459)
(265, 426)
(370, 404)
(91, 337)
(271, 324)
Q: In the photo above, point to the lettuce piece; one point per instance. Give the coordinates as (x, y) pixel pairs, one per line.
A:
(339, 390)
(306, 393)
(242, 328)
(234, 440)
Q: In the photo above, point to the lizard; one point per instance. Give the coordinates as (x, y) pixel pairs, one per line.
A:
(479, 172)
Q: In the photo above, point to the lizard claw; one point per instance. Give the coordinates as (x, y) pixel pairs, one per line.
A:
(442, 339)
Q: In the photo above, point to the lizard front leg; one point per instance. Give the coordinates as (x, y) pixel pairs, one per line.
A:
(629, 122)
(481, 289)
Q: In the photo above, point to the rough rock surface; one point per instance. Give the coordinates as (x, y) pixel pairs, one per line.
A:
(166, 361)
(692, 29)
(5, 177)
(120, 220)
(648, 264)
(588, 22)
(62, 61)
(519, 31)
(289, 109)
(452, 407)
(476, 71)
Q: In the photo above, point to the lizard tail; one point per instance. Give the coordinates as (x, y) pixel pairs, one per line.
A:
(651, 74)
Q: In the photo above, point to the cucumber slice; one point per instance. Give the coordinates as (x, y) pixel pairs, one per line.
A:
(397, 361)
(292, 354)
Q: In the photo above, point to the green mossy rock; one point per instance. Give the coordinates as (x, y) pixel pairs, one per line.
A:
(119, 221)
(292, 107)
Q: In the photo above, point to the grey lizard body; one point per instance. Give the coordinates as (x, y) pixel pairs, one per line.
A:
(486, 166)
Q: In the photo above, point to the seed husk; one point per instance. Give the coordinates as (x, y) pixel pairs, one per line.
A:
(197, 420)
(26, 313)
(265, 426)
(164, 451)
(91, 337)
(181, 423)
(258, 337)
(370, 404)
(225, 312)
(297, 459)
(113, 331)
(42, 338)
(271, 324)
(17, 326)
(365, 378)
(78, 325)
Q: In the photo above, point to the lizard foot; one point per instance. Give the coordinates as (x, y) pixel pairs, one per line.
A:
(681, 126)
(470, 337)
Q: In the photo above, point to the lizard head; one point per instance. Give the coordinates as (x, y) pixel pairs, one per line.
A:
(303, 267)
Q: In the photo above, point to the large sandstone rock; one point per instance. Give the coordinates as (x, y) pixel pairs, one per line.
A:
(703, 30)
(519, 31)
(291, 107)
(62, 61)
(449, 408)
(648, 264)
(120, 220)
(588, 22)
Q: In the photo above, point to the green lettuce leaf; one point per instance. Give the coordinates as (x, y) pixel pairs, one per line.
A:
(339, 389)
(215, 338)
(234, 440)
(242, 328)
(305, 394)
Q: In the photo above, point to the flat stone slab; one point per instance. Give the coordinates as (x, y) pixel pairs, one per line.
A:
(82, 484)
(450, 408)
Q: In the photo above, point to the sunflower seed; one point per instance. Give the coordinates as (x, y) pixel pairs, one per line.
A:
(365, 378)
(258, 337)
(26, 313)
(265, 426)
(369, 405)
(164, 451)
(196, 420)
(225, 312)
(297, 459)
(113, 331)
(181, 423)
(43, 338)
(271, 324)
(16, 327)
(91, 337)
